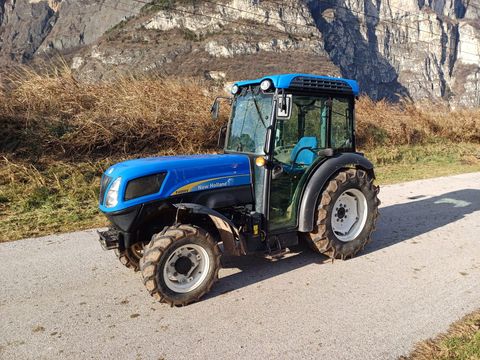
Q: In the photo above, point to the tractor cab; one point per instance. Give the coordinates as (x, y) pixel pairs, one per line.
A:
(288, 125)
(288, 171)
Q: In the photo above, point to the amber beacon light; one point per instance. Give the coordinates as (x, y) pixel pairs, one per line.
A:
(260, 161)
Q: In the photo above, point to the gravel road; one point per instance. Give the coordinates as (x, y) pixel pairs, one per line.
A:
(62, 297)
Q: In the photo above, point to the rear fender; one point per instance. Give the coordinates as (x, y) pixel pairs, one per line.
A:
(233, 242)
(318, 180)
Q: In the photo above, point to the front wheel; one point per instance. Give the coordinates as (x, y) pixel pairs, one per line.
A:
(346, 215)
(130, 257)
(180, 264)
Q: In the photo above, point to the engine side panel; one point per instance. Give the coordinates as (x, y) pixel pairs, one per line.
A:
(133, 218)
(184, 175)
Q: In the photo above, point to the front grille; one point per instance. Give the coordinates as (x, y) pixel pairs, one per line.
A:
(104, 182)
(302, 83)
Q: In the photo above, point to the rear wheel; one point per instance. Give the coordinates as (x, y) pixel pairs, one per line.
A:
(180, 264)
(131, 256)
(346, 215)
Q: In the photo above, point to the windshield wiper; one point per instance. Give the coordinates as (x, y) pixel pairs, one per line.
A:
(258, 111)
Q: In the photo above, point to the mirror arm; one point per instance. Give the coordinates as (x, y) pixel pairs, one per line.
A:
(229, 98)
(268, 138)
(215, 109)
(221, 137)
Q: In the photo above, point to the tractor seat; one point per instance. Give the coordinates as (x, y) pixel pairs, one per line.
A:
(301, 156)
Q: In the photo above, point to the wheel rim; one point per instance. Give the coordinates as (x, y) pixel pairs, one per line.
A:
(349, 215)
(186, 268)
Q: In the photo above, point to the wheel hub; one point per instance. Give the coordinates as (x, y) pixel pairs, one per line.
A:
(349, 215)
(186, 268)
(183, 265)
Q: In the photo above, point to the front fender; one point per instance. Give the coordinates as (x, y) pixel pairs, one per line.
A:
(233, 243)
(319, 178)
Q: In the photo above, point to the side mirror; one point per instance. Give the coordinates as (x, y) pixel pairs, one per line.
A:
(284, 107)
(215, 109)
(221, 137)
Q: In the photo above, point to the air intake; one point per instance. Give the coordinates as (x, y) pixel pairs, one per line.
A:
(303, 83)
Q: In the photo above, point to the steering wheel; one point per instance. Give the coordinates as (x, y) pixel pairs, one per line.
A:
(282, 153)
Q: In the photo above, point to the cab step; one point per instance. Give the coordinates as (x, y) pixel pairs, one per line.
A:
(276, 254)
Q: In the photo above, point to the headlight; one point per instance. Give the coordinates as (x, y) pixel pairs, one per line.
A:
(144, 186)
(234, 89)
(265, 85)
(112, 196)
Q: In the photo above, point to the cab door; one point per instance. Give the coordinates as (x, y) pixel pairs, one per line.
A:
(298, 139)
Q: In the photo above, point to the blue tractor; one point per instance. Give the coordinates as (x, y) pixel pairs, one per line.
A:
(289, 171)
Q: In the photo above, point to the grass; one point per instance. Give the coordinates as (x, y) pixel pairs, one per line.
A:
(460, 342)
(409, 162)
(58, 134)
(59, 196)
(405, 123)
(48, 198)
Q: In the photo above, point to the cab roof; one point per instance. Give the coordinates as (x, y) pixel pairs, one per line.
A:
(307, 82)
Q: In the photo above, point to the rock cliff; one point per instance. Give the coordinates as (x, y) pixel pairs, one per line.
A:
(424, 49)
(410, 48)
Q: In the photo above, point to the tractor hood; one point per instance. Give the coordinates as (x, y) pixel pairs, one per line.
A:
(183, 174)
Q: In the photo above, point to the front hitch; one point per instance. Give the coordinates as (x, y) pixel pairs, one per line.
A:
(109, 239)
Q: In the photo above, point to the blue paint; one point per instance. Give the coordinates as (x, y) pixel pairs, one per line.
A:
(283, 81)
(301, 153)
(215, 183)
(225, 170)
(197, 172)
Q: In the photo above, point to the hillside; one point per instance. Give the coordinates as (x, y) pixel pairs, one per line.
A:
(415, 49)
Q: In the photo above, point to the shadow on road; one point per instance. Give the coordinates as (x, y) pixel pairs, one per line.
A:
(397, 223)
(405, 221)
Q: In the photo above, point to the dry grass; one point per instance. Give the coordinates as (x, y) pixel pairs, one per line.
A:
(57, 135)
(381, 123)
(55, 114)
(460, 342)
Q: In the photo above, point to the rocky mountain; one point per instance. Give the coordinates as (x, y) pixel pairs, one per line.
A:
(421, 49)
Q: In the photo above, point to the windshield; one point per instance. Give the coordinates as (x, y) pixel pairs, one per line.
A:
(250, 118)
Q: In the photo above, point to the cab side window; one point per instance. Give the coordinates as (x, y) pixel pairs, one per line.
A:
(305, 128)
(341, 125)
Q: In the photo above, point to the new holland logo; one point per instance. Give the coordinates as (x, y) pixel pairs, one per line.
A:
(215, 183)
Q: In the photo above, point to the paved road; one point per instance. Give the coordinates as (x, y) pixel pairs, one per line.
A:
(63, 297)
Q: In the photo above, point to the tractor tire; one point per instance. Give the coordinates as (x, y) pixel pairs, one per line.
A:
(350, 193)
(180, 264)
(131, 256)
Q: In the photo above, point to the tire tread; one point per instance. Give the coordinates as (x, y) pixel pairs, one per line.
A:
(158, 245)
(318, 239)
